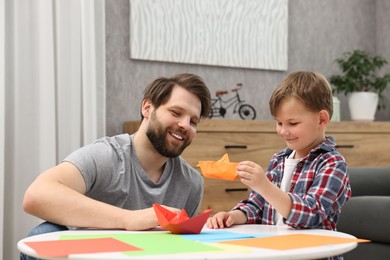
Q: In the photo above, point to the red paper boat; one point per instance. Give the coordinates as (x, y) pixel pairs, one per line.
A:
(180, 223)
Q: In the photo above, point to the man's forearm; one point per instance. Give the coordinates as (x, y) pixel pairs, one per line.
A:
(62, 205)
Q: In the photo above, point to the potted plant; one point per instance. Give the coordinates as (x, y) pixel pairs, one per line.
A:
(361, 83)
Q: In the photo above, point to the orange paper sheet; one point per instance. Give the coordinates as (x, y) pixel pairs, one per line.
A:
(62, 248)
(286, 242)
(221, 169)
(180, 223)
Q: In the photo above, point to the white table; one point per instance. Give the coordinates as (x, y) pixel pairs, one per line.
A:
(256, 253)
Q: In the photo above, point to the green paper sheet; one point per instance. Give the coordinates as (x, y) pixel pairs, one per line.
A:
(154, 243)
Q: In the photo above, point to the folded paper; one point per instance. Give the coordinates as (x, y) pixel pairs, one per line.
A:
(180, 223)
(221, 169)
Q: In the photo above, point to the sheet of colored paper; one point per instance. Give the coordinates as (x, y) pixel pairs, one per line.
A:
(232, 248)
(286, 242)
(154, 243)
(219, 235)
(61, 248)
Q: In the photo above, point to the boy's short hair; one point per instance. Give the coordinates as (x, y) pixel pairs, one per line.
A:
(160, 90)
(311, 88)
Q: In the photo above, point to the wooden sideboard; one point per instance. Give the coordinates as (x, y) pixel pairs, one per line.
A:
(363, 144)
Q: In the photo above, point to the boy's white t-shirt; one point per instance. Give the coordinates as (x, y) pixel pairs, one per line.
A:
(289, 166)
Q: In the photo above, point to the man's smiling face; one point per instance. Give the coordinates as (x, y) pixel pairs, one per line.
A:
(173, 125)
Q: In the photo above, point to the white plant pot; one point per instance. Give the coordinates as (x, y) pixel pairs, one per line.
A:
(363, 105)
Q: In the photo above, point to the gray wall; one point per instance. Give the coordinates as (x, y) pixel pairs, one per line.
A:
(319, 31)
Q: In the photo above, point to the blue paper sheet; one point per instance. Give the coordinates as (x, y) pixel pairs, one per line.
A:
(219, 236)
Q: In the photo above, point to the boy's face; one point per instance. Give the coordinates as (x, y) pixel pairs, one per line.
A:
(173, 125)
(301, 129)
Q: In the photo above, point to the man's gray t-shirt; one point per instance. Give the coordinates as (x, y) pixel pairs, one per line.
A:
(114, 175)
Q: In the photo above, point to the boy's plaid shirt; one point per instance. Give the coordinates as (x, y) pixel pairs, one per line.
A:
(319, 188)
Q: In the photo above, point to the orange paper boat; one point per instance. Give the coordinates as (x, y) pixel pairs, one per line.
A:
(180, 223)
(221, 169)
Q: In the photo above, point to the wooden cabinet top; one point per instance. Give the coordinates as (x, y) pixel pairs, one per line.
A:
(269, 126)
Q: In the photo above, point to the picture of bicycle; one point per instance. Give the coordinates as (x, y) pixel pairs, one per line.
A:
(219, 105)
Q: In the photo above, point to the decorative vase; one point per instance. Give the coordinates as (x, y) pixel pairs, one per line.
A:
(336, 110)
(363, 105)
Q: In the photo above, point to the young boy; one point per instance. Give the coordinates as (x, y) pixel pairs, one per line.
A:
(306, 184)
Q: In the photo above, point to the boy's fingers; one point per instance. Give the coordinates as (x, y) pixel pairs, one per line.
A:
(220, 222)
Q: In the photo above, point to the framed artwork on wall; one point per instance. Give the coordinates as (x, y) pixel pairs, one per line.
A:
(233, 33)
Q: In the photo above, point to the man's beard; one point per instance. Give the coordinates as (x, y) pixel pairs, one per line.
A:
(158, 138)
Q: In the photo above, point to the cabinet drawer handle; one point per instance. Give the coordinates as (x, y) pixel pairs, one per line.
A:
(345, 146)
(236, 189)
(235, 147)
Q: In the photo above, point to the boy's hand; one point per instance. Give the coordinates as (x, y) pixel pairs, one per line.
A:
(220, 220)
(226, 219)
(252, 175)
